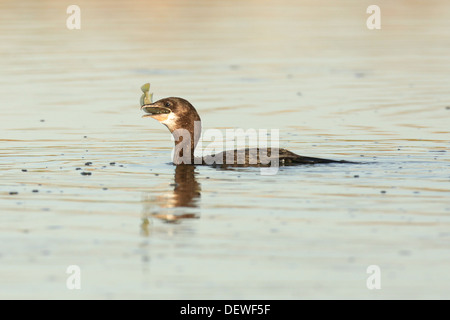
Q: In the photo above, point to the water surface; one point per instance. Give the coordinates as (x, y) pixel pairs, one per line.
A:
(139, 227)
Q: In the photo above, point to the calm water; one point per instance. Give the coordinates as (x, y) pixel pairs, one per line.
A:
(140, 228)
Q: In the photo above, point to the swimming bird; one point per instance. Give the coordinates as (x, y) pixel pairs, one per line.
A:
(183, 121)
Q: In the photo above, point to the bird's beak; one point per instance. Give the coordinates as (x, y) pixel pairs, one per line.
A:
(153, 109)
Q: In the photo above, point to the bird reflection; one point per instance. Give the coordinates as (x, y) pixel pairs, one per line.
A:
(176, 205)
(186, 190)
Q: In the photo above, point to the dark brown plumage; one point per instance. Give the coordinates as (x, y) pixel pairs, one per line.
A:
(183, 121)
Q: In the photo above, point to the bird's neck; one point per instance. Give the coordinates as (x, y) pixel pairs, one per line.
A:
(186, 136)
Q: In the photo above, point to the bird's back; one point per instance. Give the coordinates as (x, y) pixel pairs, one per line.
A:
(261, 157)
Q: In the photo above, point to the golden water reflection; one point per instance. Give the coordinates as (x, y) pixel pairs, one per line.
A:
(173, 206)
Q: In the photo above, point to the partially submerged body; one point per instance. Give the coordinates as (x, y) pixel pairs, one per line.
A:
(260, 157)
(183, 121)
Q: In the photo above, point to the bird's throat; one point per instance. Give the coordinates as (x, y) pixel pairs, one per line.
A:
(186, 139)
(160, 117)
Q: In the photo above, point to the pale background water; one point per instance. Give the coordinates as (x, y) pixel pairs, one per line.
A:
(311, 69)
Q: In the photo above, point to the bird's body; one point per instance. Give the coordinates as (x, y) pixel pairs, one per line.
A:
(183, 121)
(260, 157)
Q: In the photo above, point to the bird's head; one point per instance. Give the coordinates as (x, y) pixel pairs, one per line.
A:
(174, 113)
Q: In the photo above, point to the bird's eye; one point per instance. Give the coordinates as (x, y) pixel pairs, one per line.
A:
(167, 104)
